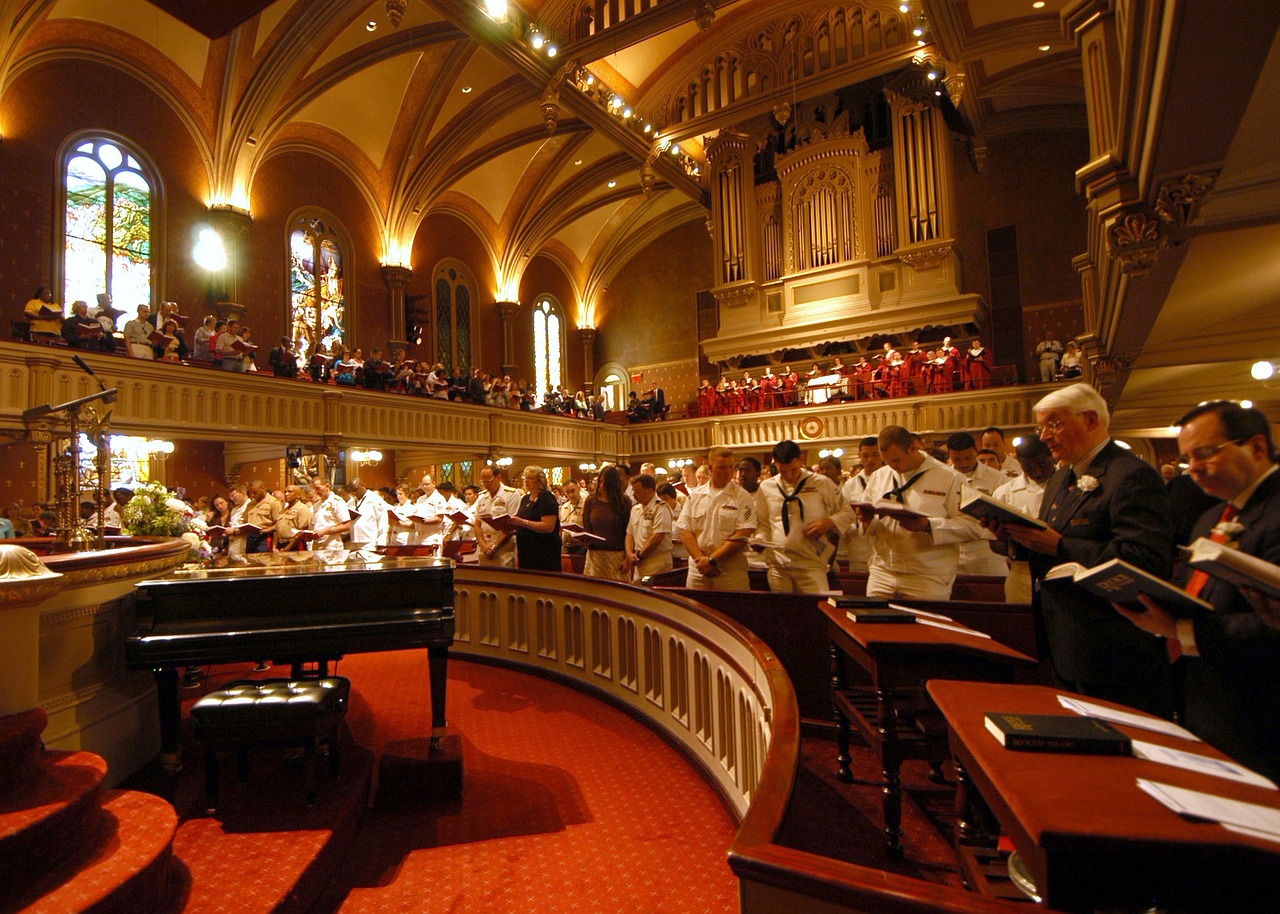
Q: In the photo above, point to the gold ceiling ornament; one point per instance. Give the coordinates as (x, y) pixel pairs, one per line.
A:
(395, 11)
(1135, 238)
(550, 107)
(1178, 200)
(704, 13)
(782, 113)
(647, 177)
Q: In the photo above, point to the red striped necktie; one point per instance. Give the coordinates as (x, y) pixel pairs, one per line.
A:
(1200, 578)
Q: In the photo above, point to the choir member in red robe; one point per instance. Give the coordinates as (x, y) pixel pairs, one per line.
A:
(977, 366)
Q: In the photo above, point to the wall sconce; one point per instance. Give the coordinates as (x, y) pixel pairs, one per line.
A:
(677, 464)
(159, 449)
(833, 452)
(496, 461)
(588, 467)
(363, 458)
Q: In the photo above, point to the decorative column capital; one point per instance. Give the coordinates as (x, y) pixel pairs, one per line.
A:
(396, 276)
(230, 220)
(507, 309)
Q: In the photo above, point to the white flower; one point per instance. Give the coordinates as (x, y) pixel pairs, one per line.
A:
(1086, 483)
(177, 505)
(1229, 530)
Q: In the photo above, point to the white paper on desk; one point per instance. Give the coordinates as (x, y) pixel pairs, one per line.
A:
(1216, 809)
(1192, 761)
(1141, 721)
(921, 612)
(954, 628)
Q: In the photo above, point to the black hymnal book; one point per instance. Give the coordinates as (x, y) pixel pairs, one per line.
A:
(1058, 733)
(1120, 582)
(1233, 566)
(978, 504)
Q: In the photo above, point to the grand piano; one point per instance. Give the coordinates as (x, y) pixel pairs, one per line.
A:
(291, 608)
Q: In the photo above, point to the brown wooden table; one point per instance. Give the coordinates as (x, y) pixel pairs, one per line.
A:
(1087, 834)
(889, 705)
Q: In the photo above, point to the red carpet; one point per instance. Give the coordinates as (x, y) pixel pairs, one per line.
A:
(568, 805)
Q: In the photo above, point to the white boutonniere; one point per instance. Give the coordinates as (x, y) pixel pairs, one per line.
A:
(1229, 530)
(1086, 483)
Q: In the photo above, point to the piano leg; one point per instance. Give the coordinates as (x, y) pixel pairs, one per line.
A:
(170, 718)
(438, 660)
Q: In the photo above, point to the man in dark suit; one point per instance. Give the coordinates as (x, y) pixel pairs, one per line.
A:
(1230, 658)
(1102, 503)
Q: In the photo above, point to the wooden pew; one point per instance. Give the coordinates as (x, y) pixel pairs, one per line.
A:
(796, 630)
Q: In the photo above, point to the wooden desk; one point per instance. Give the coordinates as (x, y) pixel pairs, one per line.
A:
(1087, 834)
(889, 707)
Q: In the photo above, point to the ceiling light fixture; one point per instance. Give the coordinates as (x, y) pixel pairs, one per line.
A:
(1044, 47)
(613, 183)
(1038, 5)
(371, 26)
(536, 39)
(1262, 371)
(466, 90)
(551, 50)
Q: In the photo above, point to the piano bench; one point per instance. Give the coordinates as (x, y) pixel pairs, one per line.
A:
(284, 712)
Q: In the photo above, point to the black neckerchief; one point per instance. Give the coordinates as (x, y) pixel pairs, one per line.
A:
(897, 492)
(788, 499)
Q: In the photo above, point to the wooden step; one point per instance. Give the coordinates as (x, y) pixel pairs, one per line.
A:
(41, 818)
(125, 865)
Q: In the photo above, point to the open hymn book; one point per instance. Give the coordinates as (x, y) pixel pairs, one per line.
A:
(887, 507)
(980, 505)
(1233, 566)
(1120, 582)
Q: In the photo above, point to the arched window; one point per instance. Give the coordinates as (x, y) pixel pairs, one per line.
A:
(110, 193)
(317, 287)
(548, 345)
(453, 296)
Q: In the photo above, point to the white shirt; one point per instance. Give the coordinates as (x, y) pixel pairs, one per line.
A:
(712, 515)
(330, 512)
(505, 501)
(936, 494)
(236, 544)
(813, 497)
(976, 556)
(857, 542)
(397, 533)
(369, 529)
(429, 506)
(1023, 492)
(645, 521)
(453, 530)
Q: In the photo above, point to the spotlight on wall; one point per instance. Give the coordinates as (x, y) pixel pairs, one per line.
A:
(1262, 371)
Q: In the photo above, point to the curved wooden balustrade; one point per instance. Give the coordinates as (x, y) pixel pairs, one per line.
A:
(716, 691)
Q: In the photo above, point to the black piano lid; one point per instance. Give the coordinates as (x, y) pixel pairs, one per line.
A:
(276, 565)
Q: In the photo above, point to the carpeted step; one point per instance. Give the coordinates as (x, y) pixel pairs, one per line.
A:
(122, 865)
(20, 747)
(41, 818)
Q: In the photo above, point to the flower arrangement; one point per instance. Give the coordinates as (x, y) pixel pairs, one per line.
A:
(154, 511)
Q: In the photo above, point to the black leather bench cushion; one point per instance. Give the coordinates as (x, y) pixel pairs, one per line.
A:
(272, 708)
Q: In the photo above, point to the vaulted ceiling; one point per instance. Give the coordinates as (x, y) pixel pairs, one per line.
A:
(432, 105)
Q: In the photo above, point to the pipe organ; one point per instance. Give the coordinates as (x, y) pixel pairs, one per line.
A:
(851, 241)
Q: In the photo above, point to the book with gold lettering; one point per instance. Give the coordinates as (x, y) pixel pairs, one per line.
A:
(1057, 733)
(1120, 582)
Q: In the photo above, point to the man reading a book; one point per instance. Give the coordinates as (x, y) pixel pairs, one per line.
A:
(1103, 503)
(1230, 658)
(914, 556)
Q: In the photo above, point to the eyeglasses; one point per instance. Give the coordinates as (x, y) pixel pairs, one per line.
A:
(1208, 452)
(1053, 426)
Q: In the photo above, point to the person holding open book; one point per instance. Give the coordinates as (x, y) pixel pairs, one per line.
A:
(915, 549)
(1103, 503)
(496, 545)
(1230, 657)
(799, 509)
(43, 315)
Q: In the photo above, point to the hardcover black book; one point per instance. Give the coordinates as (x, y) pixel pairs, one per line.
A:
(875, 614)
(1070, 733)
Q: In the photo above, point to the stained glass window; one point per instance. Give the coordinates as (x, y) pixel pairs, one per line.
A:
(453, 316)
(547, 346)
(107, 224)
(317, 300)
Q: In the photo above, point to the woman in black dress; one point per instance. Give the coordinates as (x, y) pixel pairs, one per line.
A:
(537, 524)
